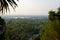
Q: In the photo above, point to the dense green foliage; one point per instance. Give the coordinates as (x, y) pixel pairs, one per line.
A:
(52, 30)
(2, 28)
(23, 29)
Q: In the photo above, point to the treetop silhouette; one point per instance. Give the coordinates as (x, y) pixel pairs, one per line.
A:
(54, 15)
(4, 5)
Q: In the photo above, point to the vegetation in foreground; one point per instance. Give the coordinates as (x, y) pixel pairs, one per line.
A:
(52, 30)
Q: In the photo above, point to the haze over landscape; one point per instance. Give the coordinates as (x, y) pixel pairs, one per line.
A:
(34, 7)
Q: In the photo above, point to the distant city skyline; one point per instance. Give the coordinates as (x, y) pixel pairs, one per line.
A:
(34, 7)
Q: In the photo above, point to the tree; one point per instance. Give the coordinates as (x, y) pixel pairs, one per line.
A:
(51, 15)
(52, 30)
(4, 5)
(2, 28)
(58, 13)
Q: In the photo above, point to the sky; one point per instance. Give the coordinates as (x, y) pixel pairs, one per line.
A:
(34, 7)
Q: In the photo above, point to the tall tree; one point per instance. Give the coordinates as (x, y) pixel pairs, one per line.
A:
(4, 7)
(2, 28)
(52, 30)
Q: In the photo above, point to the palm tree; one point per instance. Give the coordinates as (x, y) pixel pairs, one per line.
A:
(4, 5)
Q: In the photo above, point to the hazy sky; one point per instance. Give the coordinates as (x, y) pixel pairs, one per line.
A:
(35, 7)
